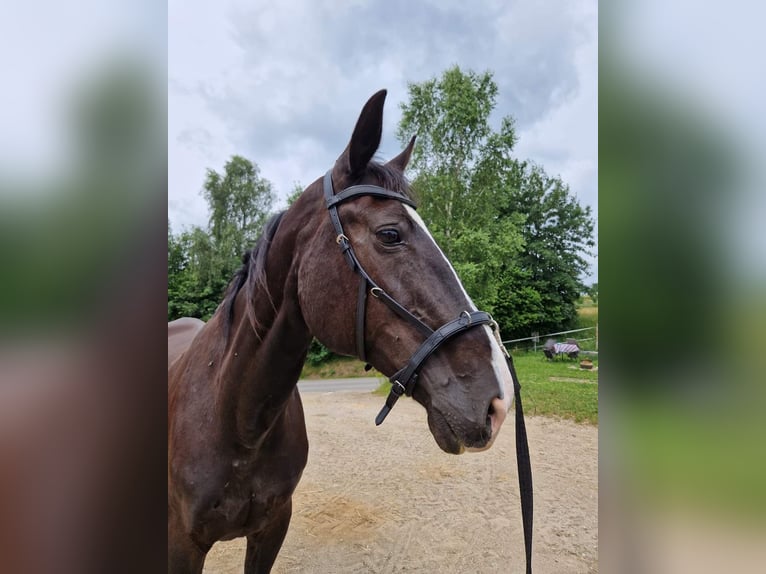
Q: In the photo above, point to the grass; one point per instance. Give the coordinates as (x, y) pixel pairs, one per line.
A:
(551, 388)
(383, 388)
(587, 317)
(560, 388)
(557, 388)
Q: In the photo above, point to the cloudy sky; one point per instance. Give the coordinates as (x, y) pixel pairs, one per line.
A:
(282, 83)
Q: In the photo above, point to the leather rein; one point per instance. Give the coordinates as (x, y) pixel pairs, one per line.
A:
(403, 381)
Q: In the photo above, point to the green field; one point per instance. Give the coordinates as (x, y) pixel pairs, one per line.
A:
(552, 388)
(560, 388)
(557, 388)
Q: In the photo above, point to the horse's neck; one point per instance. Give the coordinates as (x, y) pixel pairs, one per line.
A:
(259, 370)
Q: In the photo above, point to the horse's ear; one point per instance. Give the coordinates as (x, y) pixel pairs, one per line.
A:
(400, 162)
(366, 137)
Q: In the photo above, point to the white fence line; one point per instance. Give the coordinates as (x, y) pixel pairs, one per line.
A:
(548, 335)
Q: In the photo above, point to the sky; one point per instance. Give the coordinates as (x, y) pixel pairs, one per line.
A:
(282, 83)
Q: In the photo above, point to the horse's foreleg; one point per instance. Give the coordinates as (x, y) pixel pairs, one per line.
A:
(262, 548)
(184, 555)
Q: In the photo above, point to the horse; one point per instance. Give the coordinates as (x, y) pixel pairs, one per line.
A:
(367, 281)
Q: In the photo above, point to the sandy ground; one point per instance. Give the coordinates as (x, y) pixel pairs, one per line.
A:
(387, 499)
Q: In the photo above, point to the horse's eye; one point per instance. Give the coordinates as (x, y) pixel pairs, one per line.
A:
(389, 236)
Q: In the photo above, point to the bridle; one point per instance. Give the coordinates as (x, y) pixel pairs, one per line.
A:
(404, 380)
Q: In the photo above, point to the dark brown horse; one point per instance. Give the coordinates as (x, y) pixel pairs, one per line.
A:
(236, 434)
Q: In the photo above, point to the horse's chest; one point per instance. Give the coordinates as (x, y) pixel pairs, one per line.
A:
(264, 487)
(247, 499)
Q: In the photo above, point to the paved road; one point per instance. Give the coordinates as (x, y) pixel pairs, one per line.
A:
(361, 384)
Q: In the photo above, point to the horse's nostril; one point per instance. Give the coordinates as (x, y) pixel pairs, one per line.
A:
(490, 416)
(496, 415)
(487, 430)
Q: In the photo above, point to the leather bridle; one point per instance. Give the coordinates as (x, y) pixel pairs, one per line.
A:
(404, 380)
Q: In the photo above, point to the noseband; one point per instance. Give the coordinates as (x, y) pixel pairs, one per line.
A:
(403, 381)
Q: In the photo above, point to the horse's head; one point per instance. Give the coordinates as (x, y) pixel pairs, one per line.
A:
(465, 384)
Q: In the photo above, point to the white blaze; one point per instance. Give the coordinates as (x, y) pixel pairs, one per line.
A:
(499, 364)
(502, 372)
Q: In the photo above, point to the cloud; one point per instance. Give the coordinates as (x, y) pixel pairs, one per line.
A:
(282, 83)
(565, 139)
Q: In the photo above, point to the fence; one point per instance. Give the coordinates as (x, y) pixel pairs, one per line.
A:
(536, 338)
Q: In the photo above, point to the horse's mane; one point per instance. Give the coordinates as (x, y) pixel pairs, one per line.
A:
(253, 271)
(390, 178)
(251, 274)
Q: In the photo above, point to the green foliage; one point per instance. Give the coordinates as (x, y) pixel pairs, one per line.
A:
(515, 236)
(557, 388)
(592, 292)
(239, 201)
(587, 316)
(456, 154)
(201, 262)
(318, 353)
(557, 232)
(295, 194)
(450, 116)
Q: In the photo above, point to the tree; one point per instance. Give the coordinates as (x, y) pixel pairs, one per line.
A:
(592, 292)
(456, 150)
(240, 201)
(557, 232)
(201, 262)
(295, 194)
(515, 235)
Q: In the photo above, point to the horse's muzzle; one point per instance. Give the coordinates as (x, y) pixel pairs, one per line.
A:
(496, 415)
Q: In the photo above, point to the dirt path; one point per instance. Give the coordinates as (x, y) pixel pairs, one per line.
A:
(388, 500)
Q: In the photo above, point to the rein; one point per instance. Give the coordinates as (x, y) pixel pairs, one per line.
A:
(403, 381)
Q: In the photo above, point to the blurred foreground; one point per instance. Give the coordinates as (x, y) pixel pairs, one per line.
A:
(82, 293)
(683, 264)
